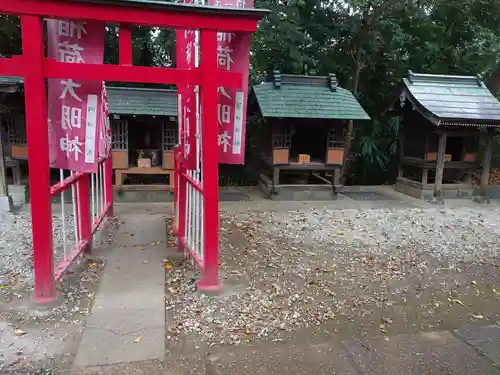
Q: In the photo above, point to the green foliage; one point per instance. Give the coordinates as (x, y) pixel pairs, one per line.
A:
(369, 44)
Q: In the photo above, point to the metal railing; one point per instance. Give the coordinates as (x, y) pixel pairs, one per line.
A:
(81, 215)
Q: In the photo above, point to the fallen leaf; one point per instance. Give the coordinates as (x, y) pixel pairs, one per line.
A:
(19, 332)
(478, 316)
(456, 300)
(387, 320)
(137, 340)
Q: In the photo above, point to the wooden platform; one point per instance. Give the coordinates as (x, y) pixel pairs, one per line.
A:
(119, 173)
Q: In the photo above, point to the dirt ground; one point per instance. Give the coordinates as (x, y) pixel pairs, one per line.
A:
(34, 340)
(294, 275)
(363, 272)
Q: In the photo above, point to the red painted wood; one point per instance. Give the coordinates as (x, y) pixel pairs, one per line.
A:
(210, 280)
(65, 263)
(137, 74)
(99, 219)
(15, 66)
(129, 14)
(108, 181)
(175, 229)
(34, 67)
(192, 253)
(84, 210)
(182, 207)
(64, 185)
(192, 182)
(38, 158)
(125, 38)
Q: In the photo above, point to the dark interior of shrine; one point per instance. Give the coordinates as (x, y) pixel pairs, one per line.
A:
(454, 147)
(145, 140)
(309, 139)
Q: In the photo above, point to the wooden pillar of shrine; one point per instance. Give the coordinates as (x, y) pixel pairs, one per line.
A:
(438, 184)
(485, 172)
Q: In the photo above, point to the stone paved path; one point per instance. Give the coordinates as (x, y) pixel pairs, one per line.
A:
(127, 319)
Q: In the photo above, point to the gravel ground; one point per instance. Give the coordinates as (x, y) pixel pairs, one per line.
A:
(16, 254)
(377, 271)
(38, 342)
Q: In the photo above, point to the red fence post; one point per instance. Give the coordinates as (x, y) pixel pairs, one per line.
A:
(210, 162)
(108, 183)
(175, 226)
(182, 204)
(38, 158)
(84, 209)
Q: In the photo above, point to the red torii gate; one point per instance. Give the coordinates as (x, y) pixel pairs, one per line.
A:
(35, 68)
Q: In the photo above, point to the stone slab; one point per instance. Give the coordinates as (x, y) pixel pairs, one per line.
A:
(431, 353)
(141, 229)
(135, 368)
(130, 301)
(273, 359)
(485, 339)
(113, 348)
(6, 204)
(367, 196)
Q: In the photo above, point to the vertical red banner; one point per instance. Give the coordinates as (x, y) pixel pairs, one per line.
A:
(104, 129)
(186, 58)
(75, 107)
(233, 54)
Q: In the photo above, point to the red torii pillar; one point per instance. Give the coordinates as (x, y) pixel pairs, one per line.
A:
(35, 68)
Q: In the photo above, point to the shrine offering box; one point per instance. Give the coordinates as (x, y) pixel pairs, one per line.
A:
(303, 159)
(144, 163)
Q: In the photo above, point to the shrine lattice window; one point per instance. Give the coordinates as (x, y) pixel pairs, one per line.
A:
(4, 133)
(169, 136)
(281, 136)
(15, 127)
(119, 135)
(335, 137)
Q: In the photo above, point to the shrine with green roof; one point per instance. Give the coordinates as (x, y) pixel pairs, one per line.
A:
(304, 124)
(443, 120)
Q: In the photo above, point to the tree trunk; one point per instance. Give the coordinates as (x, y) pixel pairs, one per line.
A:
(493, 81)
(370, 19)
(350, 124)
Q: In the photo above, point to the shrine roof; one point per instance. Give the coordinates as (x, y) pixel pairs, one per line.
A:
(169, 4)
(123, 100)
(141, 101)
(295, 96)
(9, 84)
(450, 100)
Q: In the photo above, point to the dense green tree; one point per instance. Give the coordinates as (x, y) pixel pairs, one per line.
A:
(369, 44)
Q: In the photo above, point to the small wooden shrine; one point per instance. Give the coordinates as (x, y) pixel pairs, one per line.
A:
(443, 121)
(143, 129)
(143, 132)
(301, 145)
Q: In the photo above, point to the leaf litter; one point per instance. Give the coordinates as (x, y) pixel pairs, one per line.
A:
(341, 270)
